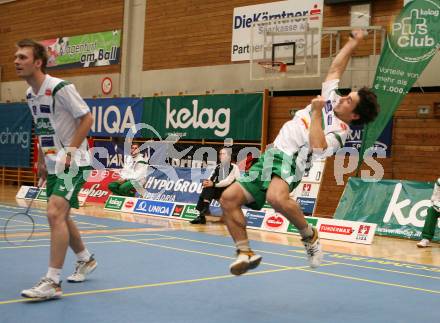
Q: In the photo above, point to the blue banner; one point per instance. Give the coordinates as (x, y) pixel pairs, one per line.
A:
(108, 154)
(15, 135)
(115, 117)
(384, 141)
(180, 185)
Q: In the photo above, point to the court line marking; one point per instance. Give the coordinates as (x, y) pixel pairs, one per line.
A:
(313, 271)
(169, 283)
(88, 237)
(292, 256)
(89, 242)
(377, 282)
(189, 251)
(32, 213)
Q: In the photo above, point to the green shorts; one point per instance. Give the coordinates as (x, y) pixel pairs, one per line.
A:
(273, 162)
(67, 186)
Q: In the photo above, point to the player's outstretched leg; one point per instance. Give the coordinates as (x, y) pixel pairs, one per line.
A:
(278, 197)
(231, 201)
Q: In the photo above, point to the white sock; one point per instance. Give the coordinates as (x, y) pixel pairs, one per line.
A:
(83, 255)
(243, 245)
(307, 232)
(54, 274)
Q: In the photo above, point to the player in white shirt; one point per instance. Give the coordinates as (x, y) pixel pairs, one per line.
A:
(62, 121)
(317, 131)
(133, 174)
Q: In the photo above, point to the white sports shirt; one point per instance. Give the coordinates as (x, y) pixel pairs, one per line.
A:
(56, 110)
(294, 135)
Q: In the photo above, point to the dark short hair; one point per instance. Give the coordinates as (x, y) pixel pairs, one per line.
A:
(38, 49)
(367, 108)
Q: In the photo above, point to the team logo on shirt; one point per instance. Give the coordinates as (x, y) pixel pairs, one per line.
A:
(328, 106)
(44, 108)
(329, 119)
(44, 127)
(48, 92)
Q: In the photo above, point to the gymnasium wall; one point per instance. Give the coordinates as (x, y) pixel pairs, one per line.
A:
(187, 49)
(40, 19)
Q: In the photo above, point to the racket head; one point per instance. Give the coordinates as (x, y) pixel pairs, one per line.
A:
(19, 228)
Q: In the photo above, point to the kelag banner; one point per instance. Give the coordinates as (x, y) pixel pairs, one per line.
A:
(15, 135)
(411, 43)
(212, 117)
(115, 117)
(87, 50)
(398, 207)
(384, 141)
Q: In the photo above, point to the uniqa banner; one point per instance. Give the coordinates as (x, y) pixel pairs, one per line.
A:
(115, 117)
(214, 117)
(413, 39)
(398, 207)
(15, 135)
(98, 49)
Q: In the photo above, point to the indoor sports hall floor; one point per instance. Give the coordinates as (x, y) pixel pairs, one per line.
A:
(155, 270)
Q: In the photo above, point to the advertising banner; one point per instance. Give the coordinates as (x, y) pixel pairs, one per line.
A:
(15, 135)
(96, 188)
(397, 207)
(98, 49)
(115, 117)
(212, 117)
(243, 18)
(412, 41)
(384, 141)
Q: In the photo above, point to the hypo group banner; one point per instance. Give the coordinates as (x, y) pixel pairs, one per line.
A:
(115, 117)
(244, 17)
(412, 41)
(15, 135)
(175, 184)
(212, 117)
(87, 50)
(398, 207)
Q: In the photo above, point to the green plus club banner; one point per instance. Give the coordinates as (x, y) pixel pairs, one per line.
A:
(213, 117)
(98, 49)
(413, 39)
(398, 207)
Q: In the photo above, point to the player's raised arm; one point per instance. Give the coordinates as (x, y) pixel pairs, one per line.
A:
(340, 62)
(316, 134)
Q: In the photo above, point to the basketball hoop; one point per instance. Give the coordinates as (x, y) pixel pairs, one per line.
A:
(273, 66)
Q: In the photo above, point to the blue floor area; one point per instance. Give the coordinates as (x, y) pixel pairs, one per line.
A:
(181, 276)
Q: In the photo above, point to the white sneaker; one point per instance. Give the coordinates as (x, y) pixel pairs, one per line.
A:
(313, 249)
(244, 262)
(82, 269)
(424, 243)
(45, 289)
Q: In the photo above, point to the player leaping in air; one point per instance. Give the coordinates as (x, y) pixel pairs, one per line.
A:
(317, 131)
